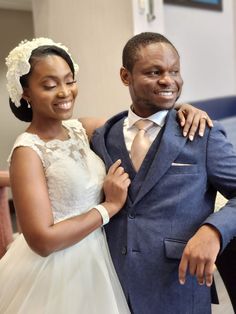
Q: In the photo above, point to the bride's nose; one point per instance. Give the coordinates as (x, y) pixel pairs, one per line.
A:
(63, 92)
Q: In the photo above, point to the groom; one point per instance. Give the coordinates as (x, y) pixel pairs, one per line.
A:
(165, 241)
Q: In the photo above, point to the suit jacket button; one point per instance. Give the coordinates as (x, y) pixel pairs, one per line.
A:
(124, 250)
(131, 215)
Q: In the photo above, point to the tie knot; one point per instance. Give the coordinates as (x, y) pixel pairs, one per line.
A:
(144, 124)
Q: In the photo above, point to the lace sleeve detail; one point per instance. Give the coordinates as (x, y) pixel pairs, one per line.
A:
(27, 140)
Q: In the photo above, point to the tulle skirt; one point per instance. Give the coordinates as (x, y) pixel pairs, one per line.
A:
(80, 279)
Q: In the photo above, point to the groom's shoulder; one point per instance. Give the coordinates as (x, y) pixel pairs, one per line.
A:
(117, 117)
(112, 121)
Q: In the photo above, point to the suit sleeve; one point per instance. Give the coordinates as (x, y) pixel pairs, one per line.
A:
(221, 168)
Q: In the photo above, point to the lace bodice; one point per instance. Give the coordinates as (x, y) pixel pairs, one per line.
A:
(74, 173)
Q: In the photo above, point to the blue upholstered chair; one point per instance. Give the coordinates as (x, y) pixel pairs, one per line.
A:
(218, 108)
(224, 109)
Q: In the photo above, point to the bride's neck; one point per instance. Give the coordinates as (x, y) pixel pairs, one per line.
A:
(49, 131)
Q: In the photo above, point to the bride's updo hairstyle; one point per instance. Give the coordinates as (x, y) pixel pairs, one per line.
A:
(20, 63)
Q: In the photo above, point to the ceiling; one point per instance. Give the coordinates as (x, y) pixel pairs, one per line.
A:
(16, 4)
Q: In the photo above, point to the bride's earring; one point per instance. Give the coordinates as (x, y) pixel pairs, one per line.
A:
(28, 104)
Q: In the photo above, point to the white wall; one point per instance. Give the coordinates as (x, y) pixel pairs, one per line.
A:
(206, 42)
(14, 27)
(95, 31)
(140, 21)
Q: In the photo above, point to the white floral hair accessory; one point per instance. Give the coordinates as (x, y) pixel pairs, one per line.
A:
(18, 64)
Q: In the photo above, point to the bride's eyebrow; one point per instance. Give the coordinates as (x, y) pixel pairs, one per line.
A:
(55, 77)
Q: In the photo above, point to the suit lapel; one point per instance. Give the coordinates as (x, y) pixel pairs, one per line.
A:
(100, 144)
(98, 141)
(99, 147)
(170, 146)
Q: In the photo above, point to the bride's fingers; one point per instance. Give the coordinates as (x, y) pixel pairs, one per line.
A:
(127, 182)
(125, 176)
(119, 171)
(114, 167)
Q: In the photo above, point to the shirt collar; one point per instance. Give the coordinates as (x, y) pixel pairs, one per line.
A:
(158, 118)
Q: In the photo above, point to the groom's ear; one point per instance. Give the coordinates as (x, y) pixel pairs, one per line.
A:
(125, 76)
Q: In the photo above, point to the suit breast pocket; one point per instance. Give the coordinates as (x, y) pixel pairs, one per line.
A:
(183, 168)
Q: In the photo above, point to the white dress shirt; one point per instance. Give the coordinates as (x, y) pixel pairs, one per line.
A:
(130, 130)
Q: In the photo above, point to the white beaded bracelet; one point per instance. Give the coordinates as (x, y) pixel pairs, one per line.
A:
(104, 213)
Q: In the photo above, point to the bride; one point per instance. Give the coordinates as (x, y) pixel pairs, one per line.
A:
(60, 263)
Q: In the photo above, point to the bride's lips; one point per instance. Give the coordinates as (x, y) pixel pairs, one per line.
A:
(65, 105)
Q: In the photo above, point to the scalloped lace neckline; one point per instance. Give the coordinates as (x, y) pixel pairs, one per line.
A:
(69, 133)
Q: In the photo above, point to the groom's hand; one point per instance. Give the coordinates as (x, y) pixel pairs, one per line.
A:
(200, 254)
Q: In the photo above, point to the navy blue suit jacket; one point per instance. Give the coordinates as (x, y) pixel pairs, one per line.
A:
(170, 197)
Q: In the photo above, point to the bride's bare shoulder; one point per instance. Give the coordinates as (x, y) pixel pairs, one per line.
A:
(91, 123)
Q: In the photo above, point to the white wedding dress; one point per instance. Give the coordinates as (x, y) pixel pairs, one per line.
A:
(79, 279)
